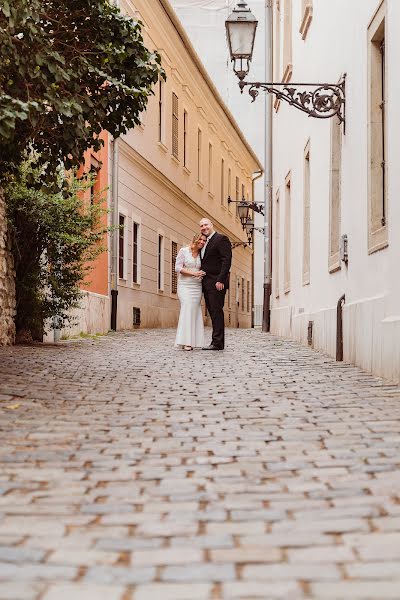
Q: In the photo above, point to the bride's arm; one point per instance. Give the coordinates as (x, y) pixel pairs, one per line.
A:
(179, 265)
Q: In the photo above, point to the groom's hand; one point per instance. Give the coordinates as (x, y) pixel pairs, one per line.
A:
(220, 286)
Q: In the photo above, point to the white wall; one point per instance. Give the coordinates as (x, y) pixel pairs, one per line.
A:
(337, 43)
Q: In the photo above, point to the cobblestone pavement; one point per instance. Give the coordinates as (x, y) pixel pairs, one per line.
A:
(133, 471)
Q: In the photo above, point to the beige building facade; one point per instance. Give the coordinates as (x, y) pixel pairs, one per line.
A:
(178, 166)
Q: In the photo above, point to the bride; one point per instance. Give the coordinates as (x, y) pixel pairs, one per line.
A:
(190, 333)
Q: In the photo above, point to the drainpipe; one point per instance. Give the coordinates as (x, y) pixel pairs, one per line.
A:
(257, 174)
(339, 328)
(114, 236)
(268, 99)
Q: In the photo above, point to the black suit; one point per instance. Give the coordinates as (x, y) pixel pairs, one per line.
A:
(216, 262)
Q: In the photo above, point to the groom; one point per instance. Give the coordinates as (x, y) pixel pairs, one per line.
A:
(216, 258)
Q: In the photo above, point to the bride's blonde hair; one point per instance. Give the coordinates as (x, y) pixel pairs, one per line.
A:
(196, 238)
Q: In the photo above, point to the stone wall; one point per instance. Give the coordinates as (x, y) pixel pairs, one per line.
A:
(7, 285)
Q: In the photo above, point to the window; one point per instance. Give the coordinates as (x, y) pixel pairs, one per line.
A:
(307, 13)
(135, 252)
(199, 152)
(306, 216)
(94, 186)
(185, 138)
(277, 231)
(277, 38)
(287, 240)
(121, 247)
(248, 296)
(237, 187)
(175, 125)
(210, 168)
(160, 111)
(377, 213)
(174, 274)
(335, 195)
(242, 293)
(287, 41)
(222, 182)
(160, 263)
(229, 188)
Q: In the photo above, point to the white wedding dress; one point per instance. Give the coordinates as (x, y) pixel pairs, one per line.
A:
(190, 327)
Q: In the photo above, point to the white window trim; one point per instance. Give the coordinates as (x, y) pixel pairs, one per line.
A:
(136, 219)
(161, 233)
(161, 130)
(123, 213)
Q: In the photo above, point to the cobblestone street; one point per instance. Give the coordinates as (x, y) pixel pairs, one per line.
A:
(134, 471)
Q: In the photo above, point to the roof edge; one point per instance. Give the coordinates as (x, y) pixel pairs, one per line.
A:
(193, 54)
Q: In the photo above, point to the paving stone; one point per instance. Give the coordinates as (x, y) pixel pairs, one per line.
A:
(173, 591)
(166, 556)
(84, 591)
(37, 572)
(20, 555)
(73, 556)
(200, 572)
(120, 575)
(264, 590)
(357, 590)
(14, 590)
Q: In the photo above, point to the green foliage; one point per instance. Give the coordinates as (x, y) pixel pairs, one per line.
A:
(54, 236)
(68, 70)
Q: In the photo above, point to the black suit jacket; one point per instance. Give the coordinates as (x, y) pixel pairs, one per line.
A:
(217, 260)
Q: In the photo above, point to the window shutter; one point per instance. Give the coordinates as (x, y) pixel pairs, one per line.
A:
(175, 129)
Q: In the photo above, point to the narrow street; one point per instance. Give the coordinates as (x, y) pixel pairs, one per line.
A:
(133, 471)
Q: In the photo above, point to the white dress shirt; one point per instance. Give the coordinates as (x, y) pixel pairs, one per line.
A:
(202, 251)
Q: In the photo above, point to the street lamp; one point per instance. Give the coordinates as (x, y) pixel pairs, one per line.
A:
(244, 208)
(326, 100)
(241, 28)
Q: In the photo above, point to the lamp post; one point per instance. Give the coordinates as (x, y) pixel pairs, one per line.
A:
(318, 100)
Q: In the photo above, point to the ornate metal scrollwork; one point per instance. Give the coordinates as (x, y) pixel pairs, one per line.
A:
(323, 102)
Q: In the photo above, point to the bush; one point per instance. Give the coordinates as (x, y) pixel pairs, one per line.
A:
(55, 234)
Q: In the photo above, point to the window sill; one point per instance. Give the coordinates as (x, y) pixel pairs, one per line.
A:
(211, 195)
(306, 21)
(201, 185)
(334, 266)
(175, 160)
(186, 170)
(377, 247)
(162, 147)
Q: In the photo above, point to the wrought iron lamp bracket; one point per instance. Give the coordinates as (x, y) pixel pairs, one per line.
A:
(324, 101)
(237, 244)
(256, 206)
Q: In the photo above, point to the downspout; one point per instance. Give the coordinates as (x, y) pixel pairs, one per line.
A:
(339, 328)
(266, 322)
(257, 174)
(114, 237)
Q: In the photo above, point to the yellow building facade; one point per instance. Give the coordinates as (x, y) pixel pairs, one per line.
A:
(179, 166)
